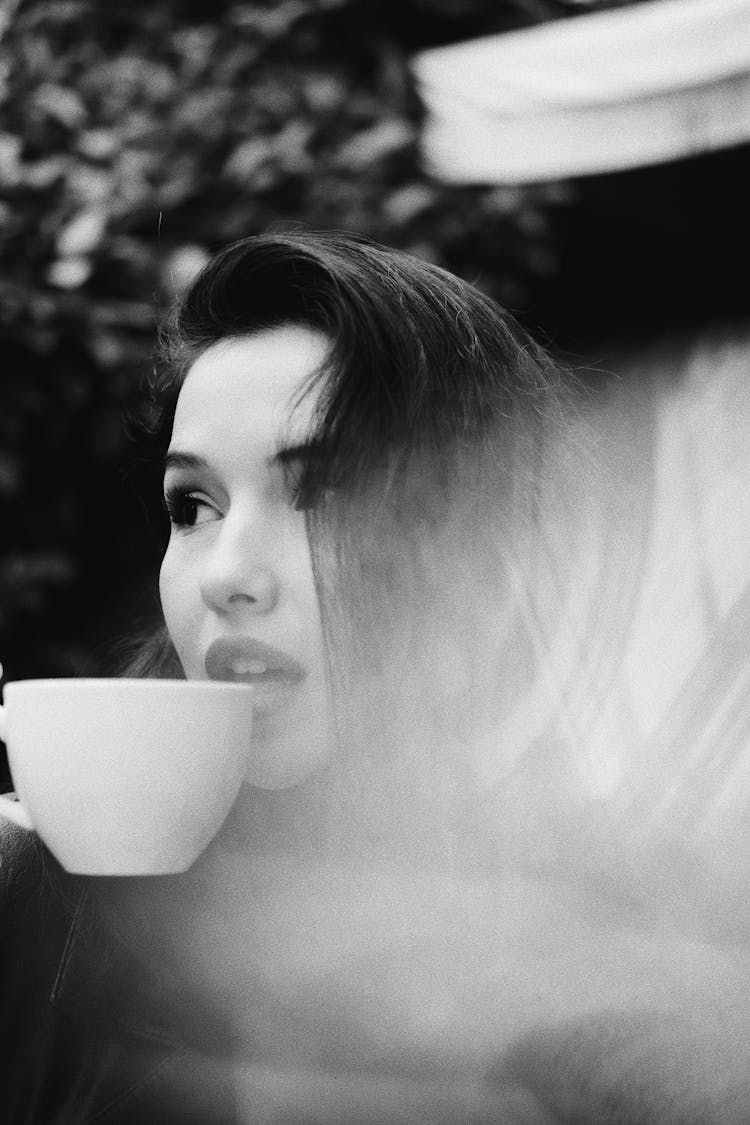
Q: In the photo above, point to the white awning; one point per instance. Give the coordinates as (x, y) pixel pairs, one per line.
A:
(606, 91)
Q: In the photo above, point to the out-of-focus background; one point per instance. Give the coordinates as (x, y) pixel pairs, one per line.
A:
(137, 138)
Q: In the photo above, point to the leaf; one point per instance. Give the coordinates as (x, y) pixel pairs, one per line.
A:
(87, 185)
(405, 204)
(69, 273)
(98, 144)
(248, 157)
(62, 104)
(11, 147)
(41, 174)
(373, 144)
(83, 234)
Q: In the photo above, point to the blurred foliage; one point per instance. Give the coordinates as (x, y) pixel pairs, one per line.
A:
(134, 140)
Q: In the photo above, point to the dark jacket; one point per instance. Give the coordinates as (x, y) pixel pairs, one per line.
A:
(86, 1033)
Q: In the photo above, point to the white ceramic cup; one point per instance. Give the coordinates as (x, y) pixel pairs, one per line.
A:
(125, 776)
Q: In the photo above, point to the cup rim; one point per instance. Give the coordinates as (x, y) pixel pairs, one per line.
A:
(129, 682)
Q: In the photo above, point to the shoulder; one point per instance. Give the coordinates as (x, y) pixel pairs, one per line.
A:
(37, 902)
(41, 1051)
(19, 855)
(27, 870)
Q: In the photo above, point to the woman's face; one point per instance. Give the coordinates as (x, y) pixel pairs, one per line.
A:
(236, 582)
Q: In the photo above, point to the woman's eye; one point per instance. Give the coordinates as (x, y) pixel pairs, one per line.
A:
(189, 509)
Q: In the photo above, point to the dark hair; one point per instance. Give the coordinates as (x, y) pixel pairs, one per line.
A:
(432, 412)
(419, 360)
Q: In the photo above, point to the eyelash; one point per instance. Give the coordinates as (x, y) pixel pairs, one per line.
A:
(176, 501)
(182, 504)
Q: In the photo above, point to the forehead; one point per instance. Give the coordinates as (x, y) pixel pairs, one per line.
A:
(252, 381)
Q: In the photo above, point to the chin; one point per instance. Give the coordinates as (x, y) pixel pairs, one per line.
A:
(282, 763)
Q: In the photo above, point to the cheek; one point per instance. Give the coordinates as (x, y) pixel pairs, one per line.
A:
(177, 596)
(166, 585)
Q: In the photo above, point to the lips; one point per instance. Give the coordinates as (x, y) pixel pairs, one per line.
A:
(247, 661)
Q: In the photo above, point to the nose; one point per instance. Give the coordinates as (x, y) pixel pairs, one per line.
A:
(236, 577)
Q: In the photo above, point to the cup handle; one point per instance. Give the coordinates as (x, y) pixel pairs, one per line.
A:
(10, 808)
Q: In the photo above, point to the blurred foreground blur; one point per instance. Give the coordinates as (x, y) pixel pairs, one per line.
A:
(547, 919)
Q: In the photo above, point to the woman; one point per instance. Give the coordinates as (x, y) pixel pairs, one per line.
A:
(365, 465)
(335, 423)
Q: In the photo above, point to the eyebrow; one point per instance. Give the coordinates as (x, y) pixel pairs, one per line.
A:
(176, 459)
(312, 450)
(303, 451)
